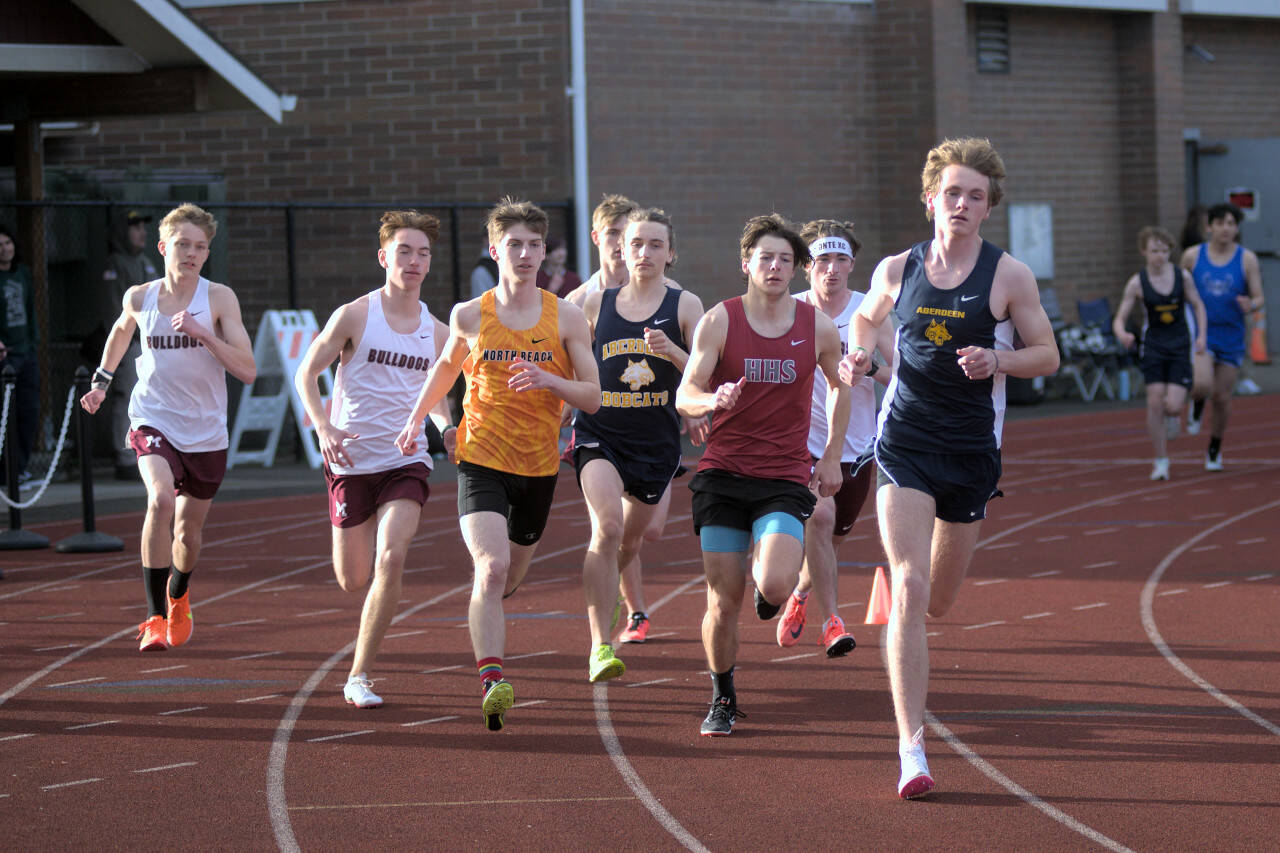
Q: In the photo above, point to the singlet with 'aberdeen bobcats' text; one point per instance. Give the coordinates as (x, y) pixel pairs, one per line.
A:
(513, 431)
(1165, 331)
(930, 404)
(375, 391)
(766, 433)
(182, 388)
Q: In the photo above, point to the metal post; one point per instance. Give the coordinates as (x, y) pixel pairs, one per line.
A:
(455, 245)
(15, 538)
(291, 250)
(89, 540)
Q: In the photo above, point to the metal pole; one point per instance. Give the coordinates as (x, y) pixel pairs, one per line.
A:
(291, 248)
(15, 538)
(89, 540)
(455, 245)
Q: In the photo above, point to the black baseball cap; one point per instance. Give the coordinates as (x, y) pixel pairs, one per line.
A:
(133, 217)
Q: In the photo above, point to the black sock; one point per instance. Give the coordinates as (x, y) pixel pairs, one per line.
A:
(1215, 446)
(638, 614)
(178, 583)
(1197, 408)
(157, 581)
(722, 686)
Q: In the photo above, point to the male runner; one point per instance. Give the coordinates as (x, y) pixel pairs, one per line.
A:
(834, 247)
(608, 222)
(192, 336)
(1165, 293)
(627, 452)
(753, 360)
(1229, 280)
(384, 342)
(525, 353)
(958, 300)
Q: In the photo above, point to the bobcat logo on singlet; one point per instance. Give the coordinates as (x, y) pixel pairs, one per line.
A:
(638, 374)
(937, 333)
(1165, 313)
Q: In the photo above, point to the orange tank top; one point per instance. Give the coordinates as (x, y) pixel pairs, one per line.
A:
(513, 431)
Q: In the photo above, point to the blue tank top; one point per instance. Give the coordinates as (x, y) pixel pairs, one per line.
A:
(930, 404)
(637, 414)
(1219, 286)
(1165, 331)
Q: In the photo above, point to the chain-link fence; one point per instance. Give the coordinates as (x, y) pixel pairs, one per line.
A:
(274, 255)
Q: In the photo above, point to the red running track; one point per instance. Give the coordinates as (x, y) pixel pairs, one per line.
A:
(1108, 679)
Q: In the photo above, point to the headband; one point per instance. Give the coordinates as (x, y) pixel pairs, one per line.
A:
(826, 245)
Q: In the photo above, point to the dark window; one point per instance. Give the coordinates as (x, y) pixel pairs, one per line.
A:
(991, 29)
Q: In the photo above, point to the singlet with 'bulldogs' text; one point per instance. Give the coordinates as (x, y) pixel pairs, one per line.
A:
(182, 388)
(375, 391)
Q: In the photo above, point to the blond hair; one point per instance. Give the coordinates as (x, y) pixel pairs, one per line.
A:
(394, 220)
(191, 213)
(1149, 231)
(610, 208)
(977, 154)
(830, 228)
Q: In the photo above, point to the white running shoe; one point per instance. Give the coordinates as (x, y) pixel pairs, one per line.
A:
(1171, 426)
(1160, 470)
(915, 780)
(1248, 387)
(1212, 462)
(1193, 423)
(358, 692)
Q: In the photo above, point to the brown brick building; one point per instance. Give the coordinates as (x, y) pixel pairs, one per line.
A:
(712, 109)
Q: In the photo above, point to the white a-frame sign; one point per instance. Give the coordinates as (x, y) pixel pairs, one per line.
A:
(283, 338)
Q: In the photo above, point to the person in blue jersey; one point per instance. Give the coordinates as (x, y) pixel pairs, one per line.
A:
(1165, 293)
(1229, 280)
(958, 301)
(628, 450)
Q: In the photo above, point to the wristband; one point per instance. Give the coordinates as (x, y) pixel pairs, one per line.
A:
(104, 372)
(875, 368)
(856, 347)
(997, 358)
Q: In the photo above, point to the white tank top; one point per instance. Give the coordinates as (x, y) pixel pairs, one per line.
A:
(862, 415)
(374, 392)
(182, 388)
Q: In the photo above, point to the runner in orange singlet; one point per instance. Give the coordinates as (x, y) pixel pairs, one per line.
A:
(525, 353)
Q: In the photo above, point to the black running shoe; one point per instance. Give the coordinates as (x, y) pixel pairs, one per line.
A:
(719, 721)
(764, 609)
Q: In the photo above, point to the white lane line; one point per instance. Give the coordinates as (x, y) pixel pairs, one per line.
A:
(1049, 573)
(532, 655)
(90, 725)
(649, 683)
(794, 657)
(1090, 606)
(403, 634)
(55, 648)
(184, 710)
(430, 721)
(60, 615)
(78, 681)
(991, 582)
(1051, 538)
(69, 784)
(1205, 516)
(674, 633)
(17, 737)
(1253, 541)
(441, 669)
(1102, 565)
(549, 580)
(1171, 592)
(241, 622)
(1204, 548)
(282, 588)
(180, 764)
(272, 653)
(982, 625)
(1260, 577)
(338, 737)
(1147, 610)
(1038, 615)
(530, 702)
(1017, 790)
(1216, 585)
(318, 612)
(1002, 545)
(259, 698)
(162, 668)
(1101, 531)
(427, 569)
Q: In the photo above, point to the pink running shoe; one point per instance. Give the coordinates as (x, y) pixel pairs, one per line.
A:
(792, 622)
(915, 780)
(637, 630)
(838, 641)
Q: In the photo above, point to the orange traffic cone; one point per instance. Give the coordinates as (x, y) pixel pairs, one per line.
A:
(878, 606)
(1258, 339)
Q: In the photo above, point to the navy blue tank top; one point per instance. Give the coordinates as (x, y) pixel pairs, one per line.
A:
(930, 404)
(1166, 331)
(637, 415)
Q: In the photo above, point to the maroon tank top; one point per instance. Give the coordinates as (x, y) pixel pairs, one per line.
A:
(766, 434)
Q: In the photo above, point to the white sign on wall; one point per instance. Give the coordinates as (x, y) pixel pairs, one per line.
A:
(1031, 237)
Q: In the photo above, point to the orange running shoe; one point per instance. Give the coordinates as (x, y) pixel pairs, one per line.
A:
(834, 636)
(180, 619)
(152, 634)
(792, 621)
